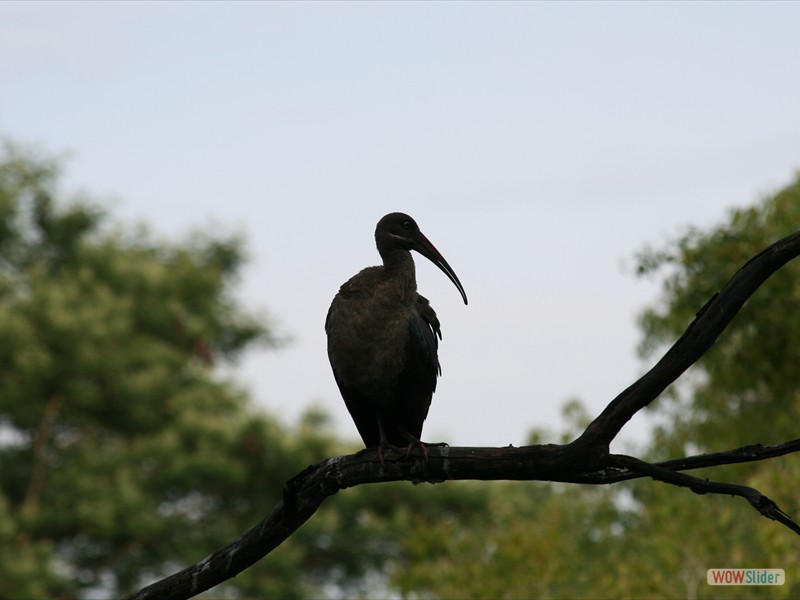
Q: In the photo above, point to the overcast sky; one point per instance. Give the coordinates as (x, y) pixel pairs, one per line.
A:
(538, 145)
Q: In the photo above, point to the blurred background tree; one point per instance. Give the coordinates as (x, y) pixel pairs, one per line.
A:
(745, 390)
(122, 454)
(125, 455)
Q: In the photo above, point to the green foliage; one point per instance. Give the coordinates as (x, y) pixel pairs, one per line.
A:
(532, 540)
(745, 390)
(746, 387)
(121, 453)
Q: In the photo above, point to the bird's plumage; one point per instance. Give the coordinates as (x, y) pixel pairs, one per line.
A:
(383, 339)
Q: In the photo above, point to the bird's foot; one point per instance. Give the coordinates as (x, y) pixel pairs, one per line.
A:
(422, 448)
(381, 447)
(380, 452)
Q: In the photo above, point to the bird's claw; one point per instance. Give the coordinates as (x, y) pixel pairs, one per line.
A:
(381, 447)
(421, 447)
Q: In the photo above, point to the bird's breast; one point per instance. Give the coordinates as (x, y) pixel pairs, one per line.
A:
(368, 331)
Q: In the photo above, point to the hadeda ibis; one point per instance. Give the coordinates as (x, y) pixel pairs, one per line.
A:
(382, 339)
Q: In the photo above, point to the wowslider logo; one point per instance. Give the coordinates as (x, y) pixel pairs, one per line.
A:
(745, 577)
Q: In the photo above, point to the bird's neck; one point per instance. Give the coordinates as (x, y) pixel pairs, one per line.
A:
(398, 262)
(399, 267)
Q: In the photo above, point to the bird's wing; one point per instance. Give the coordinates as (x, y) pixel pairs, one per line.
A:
(417, 381)
(362, 412)
(359, 407)
(425, 310)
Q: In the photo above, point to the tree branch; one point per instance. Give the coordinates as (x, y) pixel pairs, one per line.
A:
(44, 433)
(304, 493)
(751, 453)
(709, 323)
(586, 460)
(759, 501)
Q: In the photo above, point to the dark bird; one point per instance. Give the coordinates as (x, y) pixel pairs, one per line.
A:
(382, 339)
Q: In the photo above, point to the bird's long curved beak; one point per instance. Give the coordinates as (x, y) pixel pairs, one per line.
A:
(429, 251)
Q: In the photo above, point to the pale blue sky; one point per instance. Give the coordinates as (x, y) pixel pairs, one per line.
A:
(538, 145)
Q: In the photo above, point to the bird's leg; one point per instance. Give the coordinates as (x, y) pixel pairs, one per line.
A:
(421, 447)
(383, 441)
(413, 441)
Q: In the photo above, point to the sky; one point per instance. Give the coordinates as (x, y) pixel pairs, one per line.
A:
(538, 145)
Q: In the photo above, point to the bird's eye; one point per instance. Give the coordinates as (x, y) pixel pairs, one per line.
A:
(406, 224)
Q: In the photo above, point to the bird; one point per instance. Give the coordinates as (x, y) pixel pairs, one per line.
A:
(383, 339)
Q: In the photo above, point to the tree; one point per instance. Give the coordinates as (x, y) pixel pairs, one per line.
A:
(123, 455)
(115, 433)
(585, 460)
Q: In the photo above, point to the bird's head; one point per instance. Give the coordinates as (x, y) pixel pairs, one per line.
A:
(399, 231)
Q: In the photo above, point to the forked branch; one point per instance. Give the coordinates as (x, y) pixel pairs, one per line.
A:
(586, 460)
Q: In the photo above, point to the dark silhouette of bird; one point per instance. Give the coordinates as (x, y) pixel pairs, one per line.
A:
(382, 339)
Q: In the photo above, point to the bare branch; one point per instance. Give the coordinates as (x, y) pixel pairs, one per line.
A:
(701, 334)
(304, 493)
(751, 453)
(586, 460)
(759, 501)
